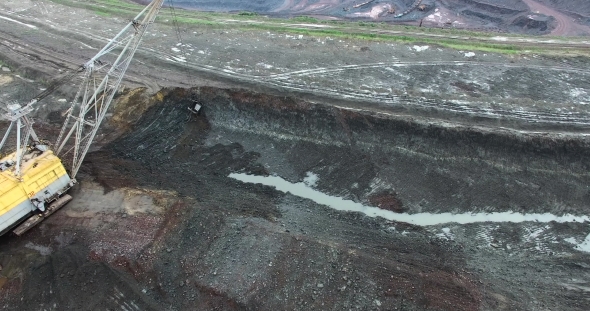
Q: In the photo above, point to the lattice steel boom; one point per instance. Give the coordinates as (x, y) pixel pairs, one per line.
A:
(97, 90)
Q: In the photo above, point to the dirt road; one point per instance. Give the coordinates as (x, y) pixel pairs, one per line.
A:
(566, 26)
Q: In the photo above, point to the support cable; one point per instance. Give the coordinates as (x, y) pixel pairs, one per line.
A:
(181, 48)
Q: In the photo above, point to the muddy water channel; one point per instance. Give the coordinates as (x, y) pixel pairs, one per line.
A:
(422, 219)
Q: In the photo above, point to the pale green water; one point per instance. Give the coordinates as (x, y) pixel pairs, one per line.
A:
(303, 189)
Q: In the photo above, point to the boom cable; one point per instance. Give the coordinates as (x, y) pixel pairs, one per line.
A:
(181, 46)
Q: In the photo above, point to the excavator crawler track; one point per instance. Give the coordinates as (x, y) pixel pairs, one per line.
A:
(36, 219)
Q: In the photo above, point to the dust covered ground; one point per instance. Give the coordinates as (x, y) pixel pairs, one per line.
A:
(157, 223)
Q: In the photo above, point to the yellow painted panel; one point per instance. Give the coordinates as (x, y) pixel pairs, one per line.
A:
(38, 173)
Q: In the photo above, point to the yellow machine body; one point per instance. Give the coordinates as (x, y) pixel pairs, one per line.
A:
(43, 179)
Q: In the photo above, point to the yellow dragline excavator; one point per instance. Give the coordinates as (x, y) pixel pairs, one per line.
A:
(33, 180)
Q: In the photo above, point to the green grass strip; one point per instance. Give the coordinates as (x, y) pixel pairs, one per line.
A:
(466, 40)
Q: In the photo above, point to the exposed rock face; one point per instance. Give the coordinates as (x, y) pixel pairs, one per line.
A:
(358, 154)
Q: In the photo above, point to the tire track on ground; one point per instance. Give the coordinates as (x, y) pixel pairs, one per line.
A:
(323, 70)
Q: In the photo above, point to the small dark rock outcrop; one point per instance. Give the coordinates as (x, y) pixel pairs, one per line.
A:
(534, 22)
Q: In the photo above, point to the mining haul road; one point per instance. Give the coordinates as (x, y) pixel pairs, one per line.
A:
(323, 172)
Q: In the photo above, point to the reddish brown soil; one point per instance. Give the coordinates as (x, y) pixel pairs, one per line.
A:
(387, 200)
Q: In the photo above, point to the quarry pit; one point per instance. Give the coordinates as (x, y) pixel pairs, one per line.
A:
(322, 174)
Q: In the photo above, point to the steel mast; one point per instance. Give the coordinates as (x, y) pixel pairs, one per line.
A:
(96, 91)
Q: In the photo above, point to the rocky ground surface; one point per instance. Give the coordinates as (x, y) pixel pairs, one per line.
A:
(157, 223)
(418, 79)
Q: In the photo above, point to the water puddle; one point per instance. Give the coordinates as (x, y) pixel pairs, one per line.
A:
(583, 246)
(304, 190)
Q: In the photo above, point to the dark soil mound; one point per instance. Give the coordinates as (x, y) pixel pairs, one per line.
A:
(483, 16)
(493, 14)
(492, 7)
(533, 23)
(496, 7)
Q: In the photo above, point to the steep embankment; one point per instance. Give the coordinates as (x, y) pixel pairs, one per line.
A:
(430, 167)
